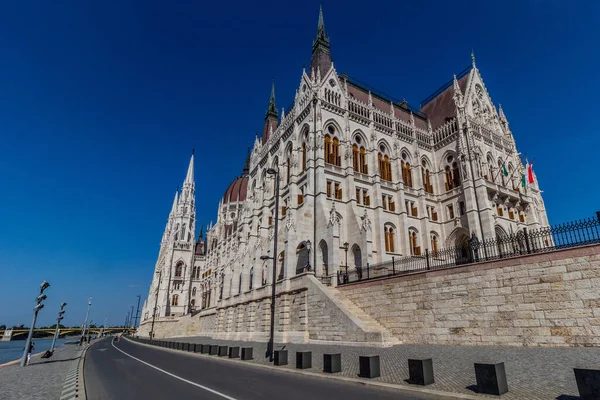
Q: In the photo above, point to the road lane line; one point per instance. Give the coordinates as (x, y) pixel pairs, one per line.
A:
(175, 376)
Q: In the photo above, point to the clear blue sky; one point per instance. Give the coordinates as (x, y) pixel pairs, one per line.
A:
(101, 103)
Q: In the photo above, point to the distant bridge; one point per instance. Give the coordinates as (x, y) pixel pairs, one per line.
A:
(8, 334)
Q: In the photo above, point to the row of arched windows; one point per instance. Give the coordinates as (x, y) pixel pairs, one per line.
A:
(413, 239)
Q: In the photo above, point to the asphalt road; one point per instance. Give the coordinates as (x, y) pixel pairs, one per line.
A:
(111, 374)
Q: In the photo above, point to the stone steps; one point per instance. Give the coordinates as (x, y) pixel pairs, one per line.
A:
(369, 323)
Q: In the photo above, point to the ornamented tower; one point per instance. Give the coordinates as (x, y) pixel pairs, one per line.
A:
(170, 285)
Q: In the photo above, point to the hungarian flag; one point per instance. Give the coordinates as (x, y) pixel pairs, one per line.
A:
(527, 177)
(504, 170)
(530, 173)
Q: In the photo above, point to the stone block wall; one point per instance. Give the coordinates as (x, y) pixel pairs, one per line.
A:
(535, 300)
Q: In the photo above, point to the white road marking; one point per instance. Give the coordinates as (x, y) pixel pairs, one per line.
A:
(175, 376)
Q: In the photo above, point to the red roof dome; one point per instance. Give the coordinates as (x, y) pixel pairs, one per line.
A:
(236, 191)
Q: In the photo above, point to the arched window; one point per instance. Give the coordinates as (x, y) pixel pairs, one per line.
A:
(406, 171)
(390, 240)
(426, 175)
(452, 173)
(359, 156)
(303, 156)
(178, 269)
(502, 177)
(355, 158)
(240, 284)
(413, 239)
(193, 291)
(193, 303)
(251, 278)
(288, 167)
(176, 232)
(363, 161)
(332, 147)
(175, 300)
(385, 166)
(434, 243)
(280, 265)
(455, 174)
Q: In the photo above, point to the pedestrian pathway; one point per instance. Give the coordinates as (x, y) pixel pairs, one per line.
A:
(537, 373)
(43, 379)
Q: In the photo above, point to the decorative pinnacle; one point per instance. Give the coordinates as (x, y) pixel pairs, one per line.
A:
(321, 37)
(473, 57)
(246, 169)
(321, 25)
(272, 110)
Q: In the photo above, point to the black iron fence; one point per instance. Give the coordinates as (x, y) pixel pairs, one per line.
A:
(562, 236)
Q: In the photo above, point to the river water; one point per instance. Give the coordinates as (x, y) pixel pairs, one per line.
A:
(14, 349)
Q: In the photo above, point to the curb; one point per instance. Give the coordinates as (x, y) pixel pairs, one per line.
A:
(18, 360)
(74, 385)
(407, 389)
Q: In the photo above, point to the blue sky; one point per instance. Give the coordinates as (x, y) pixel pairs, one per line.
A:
(101, 103)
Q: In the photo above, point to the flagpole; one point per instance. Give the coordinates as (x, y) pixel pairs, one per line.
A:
(494, 180)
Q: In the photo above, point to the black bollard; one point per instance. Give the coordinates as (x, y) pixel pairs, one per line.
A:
(214, 349)
(205, 349)
(281, 357)
(369, 366)
(303, 359)
(234, 352)
(588, 383)
(223, 351)
(192, 347)
(246, 353)
(491, 378)
(420, 371)
(332, 363)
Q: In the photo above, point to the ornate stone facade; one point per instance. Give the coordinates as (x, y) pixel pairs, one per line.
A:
(358, 173)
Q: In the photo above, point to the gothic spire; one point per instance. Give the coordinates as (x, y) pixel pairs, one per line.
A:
(189, 178)
(321, 51)
(272, 109)
(271, 118)
(246, 169)
(201, 236)
(175, 201)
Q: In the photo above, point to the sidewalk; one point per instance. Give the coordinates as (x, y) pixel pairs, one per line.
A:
(537, 373)
(43, 379)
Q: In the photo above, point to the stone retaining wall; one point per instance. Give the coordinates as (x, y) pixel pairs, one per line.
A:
(535, 300)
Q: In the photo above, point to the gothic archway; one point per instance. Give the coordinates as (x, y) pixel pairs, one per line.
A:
(302, 258)
(324, 258)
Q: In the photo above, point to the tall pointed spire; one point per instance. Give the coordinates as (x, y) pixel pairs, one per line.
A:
(473, 58)
(189, 178)
(321, 51)
(246, 169)
(175, 201)
(272, 117)
(272, 109)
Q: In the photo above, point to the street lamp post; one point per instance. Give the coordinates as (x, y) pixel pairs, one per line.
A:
(308, 246)
(126, 320)
(60, 317)
(131, 317)
(346, 249)
(271, 344)
(137, 312)
(87, 313)
(43, 286)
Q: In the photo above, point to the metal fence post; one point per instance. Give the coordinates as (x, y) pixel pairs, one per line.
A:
(427, 258)
(527, 240)
(393, 267)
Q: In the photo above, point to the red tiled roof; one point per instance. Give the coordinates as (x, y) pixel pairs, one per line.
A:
(236, 191)
(442, 107)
